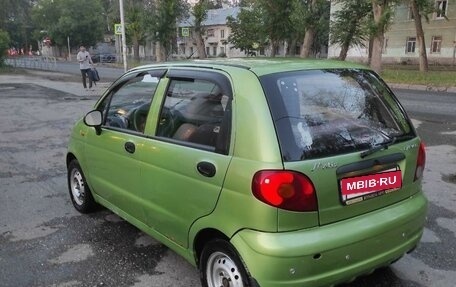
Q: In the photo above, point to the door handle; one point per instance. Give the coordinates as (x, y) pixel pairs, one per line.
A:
(205, 168)
(130, 147)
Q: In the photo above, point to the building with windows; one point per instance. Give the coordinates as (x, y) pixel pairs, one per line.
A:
(400, 45)
(215, 36)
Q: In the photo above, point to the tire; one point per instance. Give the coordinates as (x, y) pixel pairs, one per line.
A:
(80, 193)
(220, 265)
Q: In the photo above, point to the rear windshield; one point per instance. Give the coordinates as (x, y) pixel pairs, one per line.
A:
(320, 113)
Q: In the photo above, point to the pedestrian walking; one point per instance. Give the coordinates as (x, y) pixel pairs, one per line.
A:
(85, 62)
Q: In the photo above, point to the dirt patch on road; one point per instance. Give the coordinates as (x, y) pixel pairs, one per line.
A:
(53, 76)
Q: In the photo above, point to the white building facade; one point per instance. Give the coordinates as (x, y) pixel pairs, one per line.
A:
(400, 44)
(216, 33)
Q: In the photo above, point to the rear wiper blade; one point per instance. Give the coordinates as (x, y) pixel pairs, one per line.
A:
(378, 147)
(385, 145)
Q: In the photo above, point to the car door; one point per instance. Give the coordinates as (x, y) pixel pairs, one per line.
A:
(188, 153)
(113, 161)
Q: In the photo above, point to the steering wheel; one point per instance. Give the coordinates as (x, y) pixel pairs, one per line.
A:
(166, 125)
(139, 117)
(117, 121)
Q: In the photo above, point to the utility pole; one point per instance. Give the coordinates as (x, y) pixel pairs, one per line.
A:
(69, 51)
(124, 41)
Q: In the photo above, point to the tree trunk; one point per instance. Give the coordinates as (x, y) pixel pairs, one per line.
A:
(369, 50)
(306, 47)
(307, 44)
(200, 45)
(420, 36)
(273, 48)
(160, 55)
(343, 52)
(135, 49)
(292, 47)
(378, 8)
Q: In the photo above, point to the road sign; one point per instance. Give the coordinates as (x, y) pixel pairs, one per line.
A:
(118, 29)
(185, 32)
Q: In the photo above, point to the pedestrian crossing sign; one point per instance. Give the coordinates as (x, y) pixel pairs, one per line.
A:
(185, 32)
(118, 29)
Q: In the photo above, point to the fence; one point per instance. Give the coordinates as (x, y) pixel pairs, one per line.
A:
(38, 62)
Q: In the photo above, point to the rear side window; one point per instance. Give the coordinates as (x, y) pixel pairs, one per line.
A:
(196, 112)
(321, 113)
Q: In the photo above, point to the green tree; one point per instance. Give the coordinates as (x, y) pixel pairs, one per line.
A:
(349, 27)
(382, 13)
(167, 14)
(81, 20)
(247, 31)
(137, 28)
(111, 14)
(4, 45)
(421, 9)
(311, 19)
(199, 12)
(15, 19)
(276, 20)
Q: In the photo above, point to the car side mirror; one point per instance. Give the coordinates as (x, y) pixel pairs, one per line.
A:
(94, 119)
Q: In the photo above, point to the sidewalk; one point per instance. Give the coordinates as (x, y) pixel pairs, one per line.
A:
(422, 88)
(57, 81)
(70, 83)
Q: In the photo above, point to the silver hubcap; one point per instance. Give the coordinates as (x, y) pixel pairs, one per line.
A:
(221, 271)
(77, 187)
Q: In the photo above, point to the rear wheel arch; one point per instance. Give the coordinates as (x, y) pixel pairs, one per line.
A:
(203, 237)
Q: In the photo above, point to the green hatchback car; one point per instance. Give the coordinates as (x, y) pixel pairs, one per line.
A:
(259, 172)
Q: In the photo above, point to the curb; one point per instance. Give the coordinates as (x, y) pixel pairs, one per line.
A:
(422, 88)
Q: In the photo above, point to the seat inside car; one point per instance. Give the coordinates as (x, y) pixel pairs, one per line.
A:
(184, 132)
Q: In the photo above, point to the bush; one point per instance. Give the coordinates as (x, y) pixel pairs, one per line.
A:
(4, 45)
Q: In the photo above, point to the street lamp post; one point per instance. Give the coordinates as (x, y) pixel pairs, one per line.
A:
(124, 42)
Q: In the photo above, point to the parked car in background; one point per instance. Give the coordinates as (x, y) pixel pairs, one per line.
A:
(104, 58)
(259, 172)
(104, 53)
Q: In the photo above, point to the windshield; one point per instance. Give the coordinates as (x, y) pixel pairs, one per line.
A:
(320, 113)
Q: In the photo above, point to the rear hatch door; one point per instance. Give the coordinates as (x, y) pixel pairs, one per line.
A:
(346, 131)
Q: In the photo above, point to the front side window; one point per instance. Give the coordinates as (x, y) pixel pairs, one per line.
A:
(195, 112)
(129, 105)
(410, 45)
(327, 112)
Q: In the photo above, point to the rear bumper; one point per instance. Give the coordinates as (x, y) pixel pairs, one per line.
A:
(333, 253)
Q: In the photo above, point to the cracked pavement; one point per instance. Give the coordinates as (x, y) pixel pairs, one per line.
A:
(45, 242)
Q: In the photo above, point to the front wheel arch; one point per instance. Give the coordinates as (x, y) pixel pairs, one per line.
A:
(69, 158)
(80, 193)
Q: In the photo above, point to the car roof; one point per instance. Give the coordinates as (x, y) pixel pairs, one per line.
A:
(263, 66)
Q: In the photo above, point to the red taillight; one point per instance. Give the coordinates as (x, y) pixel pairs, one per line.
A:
(285, 189)
(420, 162)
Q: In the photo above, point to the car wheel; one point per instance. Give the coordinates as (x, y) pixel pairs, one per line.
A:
(220, 266)
(80, 193)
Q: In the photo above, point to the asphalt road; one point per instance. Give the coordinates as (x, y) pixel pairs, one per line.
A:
(45, 242)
